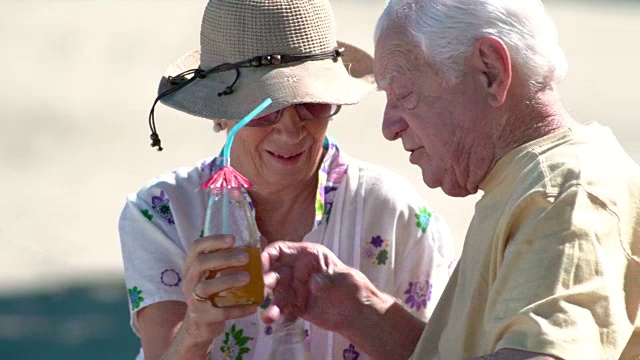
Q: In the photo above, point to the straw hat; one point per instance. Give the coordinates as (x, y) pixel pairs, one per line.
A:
(253, 49)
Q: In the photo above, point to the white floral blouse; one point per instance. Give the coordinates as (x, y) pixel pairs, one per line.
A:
(371, 218)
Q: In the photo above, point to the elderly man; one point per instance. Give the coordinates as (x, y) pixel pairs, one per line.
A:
(551, 262)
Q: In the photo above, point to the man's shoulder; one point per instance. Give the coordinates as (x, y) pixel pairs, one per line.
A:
(589, 157)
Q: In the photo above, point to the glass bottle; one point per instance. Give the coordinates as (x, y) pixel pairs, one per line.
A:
(229, 212)
(288, 341)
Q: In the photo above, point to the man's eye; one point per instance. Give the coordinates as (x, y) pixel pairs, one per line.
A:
(408, 99)
(404, 95)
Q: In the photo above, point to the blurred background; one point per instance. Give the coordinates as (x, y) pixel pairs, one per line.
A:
(79, 79)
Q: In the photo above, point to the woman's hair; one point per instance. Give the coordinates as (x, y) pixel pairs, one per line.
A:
(446, 31)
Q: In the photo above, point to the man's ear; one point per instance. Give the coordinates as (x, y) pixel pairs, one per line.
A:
(491, 58)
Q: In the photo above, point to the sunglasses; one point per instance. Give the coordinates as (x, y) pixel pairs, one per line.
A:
(307, 111)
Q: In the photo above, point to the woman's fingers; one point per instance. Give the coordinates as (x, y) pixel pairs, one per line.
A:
(219, 260)
(199, 264)
(223, 281)
(211, 243)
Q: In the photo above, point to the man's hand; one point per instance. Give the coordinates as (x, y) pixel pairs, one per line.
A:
(308, 280)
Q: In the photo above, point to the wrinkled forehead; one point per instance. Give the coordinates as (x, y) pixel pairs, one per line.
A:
(395, 53)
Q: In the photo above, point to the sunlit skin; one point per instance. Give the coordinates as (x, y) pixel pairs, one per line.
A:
(442, 125)
(260, 153)
(456, 130)
(281, 161)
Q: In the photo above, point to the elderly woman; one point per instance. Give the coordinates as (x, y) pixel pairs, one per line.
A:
(305, 188)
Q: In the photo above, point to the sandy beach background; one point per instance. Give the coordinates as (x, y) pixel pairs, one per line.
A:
(78, 80)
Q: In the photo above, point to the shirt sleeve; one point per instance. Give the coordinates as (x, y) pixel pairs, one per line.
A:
(408, 250)
(425, 258)
(559, 288)
(153, 255)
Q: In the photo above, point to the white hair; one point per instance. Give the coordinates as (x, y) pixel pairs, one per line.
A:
(446, 30)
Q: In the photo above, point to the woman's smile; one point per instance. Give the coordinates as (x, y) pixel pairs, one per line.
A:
(286, 158)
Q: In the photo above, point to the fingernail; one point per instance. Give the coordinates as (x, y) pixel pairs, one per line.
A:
(244, 277)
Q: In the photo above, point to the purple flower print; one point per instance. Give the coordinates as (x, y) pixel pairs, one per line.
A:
(208, 167)
(350, 353)
(377, 241)
(370, 252)
(170, 277)
(376, 250)
(161, 205)
(418, 294)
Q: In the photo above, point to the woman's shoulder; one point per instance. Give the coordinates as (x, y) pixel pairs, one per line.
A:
(184, 181)
(378, 175)
(381, 182)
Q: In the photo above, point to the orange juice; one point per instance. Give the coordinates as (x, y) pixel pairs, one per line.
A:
(250, 294)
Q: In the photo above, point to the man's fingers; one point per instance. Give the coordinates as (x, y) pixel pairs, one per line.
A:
(286, 253)
(271, 279)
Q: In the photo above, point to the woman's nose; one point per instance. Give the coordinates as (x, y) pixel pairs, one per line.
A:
(290, 125)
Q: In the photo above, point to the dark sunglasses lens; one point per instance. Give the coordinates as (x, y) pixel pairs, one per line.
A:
(320, 111)
(266, 120)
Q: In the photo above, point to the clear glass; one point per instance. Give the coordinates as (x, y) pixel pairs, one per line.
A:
(288, 341)
(229, 212)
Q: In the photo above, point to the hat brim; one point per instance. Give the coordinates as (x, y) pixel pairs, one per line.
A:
(343, 82)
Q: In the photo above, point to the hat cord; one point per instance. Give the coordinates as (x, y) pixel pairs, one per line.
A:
(181, 80)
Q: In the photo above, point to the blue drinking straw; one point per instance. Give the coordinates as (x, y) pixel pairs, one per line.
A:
(227, 147)
(227, 159)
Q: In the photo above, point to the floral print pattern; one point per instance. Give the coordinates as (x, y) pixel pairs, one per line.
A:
(418, 294)
(240, 339)
(170, 277)
(307, 340)
(350, 353)
(161, 205)
(135, 297)
(147, 214)
(424, 218)
(319, 205)
(268, 329)
(233, 347)
(331, 173)
(376, 250)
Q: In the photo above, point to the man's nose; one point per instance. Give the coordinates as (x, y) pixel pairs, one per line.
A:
(392, 123)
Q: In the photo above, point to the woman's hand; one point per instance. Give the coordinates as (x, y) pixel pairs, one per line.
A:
(175, 330)
(212, 253)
